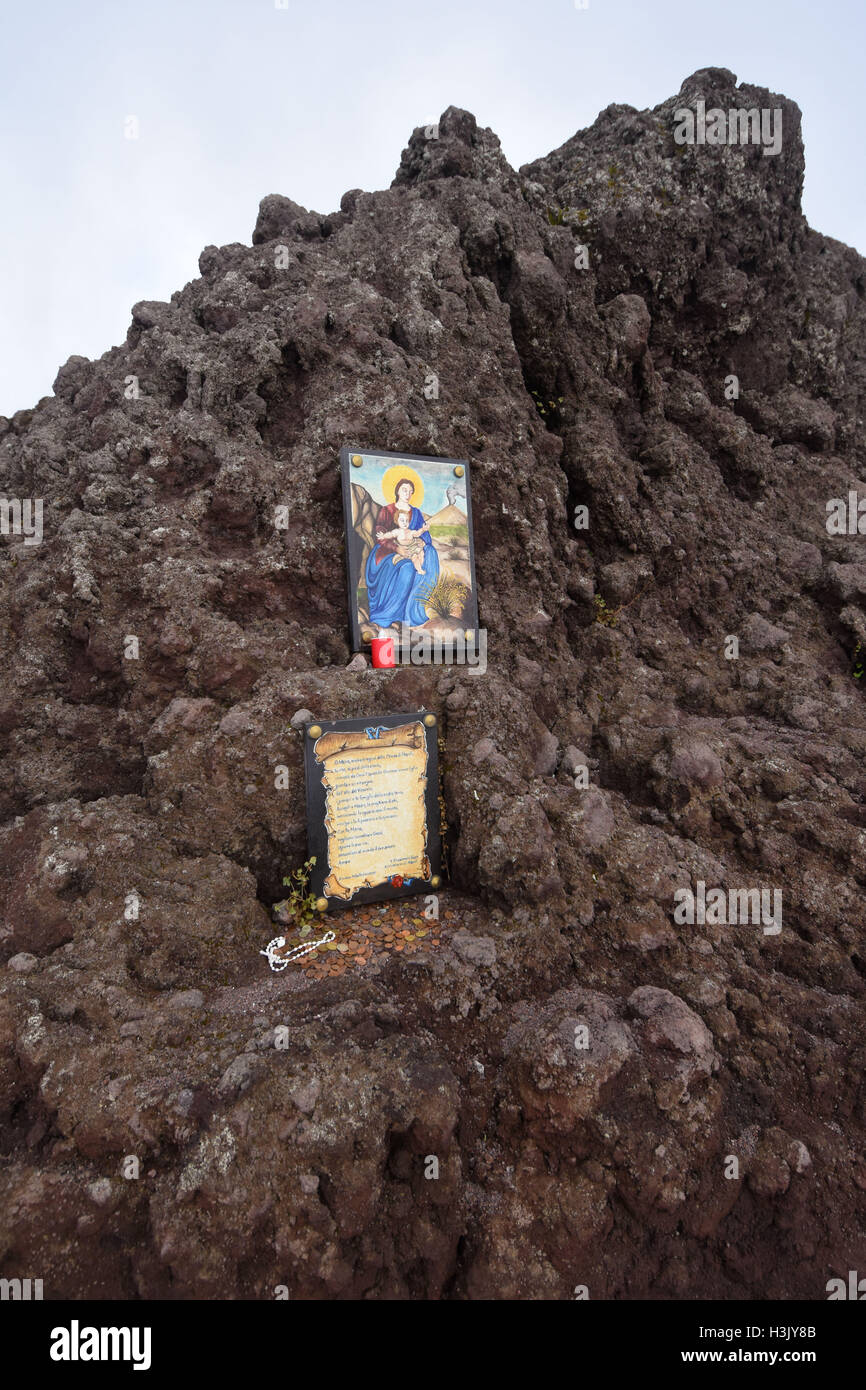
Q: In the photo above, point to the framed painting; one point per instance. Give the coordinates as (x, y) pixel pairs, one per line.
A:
(373, 808)
(410, 553)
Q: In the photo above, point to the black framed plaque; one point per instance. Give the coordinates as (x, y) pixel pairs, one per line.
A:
(410, 552)
(373, 807)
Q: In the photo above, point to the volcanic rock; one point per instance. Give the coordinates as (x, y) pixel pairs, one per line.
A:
(580, 1066)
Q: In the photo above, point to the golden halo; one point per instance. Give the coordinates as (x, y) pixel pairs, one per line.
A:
(393, 476)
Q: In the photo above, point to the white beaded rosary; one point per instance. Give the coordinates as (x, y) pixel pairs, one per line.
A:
(277, 962)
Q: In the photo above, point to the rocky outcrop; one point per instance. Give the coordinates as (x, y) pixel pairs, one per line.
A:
(671, 699)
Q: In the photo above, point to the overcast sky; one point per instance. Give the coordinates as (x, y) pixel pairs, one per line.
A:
(239, 98)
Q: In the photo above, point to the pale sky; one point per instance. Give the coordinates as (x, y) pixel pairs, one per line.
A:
(238, 98)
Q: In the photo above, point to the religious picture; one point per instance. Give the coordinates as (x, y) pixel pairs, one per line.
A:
(372, 807)
(410, 552)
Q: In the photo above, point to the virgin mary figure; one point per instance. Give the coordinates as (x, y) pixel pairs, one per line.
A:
(403, 566)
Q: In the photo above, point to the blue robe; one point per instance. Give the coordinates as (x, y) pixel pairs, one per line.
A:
(394, 591)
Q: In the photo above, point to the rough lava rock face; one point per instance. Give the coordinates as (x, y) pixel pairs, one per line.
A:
(581, 1066)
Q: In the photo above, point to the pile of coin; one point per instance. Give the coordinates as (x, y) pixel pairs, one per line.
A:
(370, 933)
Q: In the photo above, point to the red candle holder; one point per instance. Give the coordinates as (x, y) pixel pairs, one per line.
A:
(382, 649)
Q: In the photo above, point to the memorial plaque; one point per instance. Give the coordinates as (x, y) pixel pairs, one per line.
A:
(409, 549)
(373, 807)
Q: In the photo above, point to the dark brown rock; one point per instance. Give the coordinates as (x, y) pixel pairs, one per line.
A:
(152, 802)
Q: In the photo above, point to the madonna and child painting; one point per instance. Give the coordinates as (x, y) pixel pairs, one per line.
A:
(410, 553)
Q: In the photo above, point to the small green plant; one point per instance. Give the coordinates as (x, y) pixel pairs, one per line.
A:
(858, 670)
(614, 180)
(608, 617)
(556, 216)
(547, 408)
(447, 596)
(299, 908)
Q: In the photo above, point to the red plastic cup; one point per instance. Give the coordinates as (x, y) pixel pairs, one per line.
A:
(383, 652)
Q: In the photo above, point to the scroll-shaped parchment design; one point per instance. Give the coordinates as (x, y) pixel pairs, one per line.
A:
(375, 815)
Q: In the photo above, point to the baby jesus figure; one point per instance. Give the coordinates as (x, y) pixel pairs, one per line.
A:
(407, 541)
